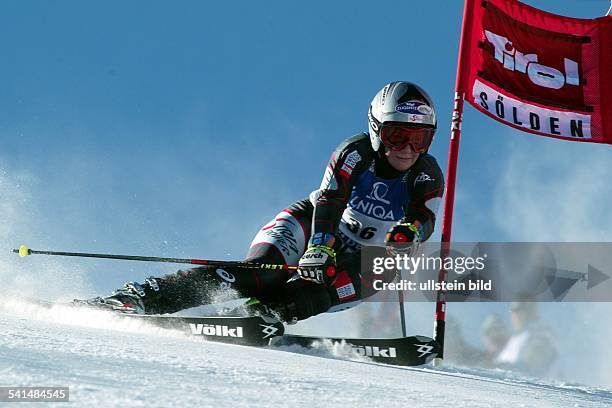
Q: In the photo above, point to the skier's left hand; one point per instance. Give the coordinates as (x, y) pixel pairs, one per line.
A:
(318, 264)
(404, 233)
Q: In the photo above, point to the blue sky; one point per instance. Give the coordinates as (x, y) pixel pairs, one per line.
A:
(179, 128)
(193, 123)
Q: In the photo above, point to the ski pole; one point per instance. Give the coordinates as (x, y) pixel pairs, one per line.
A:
(24, 251)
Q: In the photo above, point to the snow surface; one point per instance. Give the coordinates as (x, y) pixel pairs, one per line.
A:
(108, 361)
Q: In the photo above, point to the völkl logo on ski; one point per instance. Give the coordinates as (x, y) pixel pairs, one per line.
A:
(269, 330)
(216, 330)
(375, 351)
(423, 349)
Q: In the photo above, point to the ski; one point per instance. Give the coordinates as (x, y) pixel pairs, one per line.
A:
(249, 331)
(403, 351)
(261, 331)
(244, 330)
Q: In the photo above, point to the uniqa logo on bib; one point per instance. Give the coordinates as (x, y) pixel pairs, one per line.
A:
(370, 208)
(379, 192)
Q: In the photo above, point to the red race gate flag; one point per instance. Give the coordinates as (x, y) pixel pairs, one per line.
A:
(535, 71)
(540, 72)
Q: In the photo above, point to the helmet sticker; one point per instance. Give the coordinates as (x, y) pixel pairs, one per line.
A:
(414, 107)
(384, 94)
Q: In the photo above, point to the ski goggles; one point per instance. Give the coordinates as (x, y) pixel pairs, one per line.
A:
(396, 136)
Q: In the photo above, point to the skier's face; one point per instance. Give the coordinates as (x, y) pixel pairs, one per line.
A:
(401, 160)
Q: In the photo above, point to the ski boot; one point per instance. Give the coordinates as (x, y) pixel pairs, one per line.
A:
(128, 299)
(276, 312)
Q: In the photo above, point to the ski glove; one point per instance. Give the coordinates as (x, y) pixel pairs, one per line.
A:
(318, 264)
(405, 233)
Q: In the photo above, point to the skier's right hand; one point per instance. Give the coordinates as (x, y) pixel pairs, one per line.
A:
(318, 264)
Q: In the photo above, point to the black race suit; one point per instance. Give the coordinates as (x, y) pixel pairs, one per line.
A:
(361, 197)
